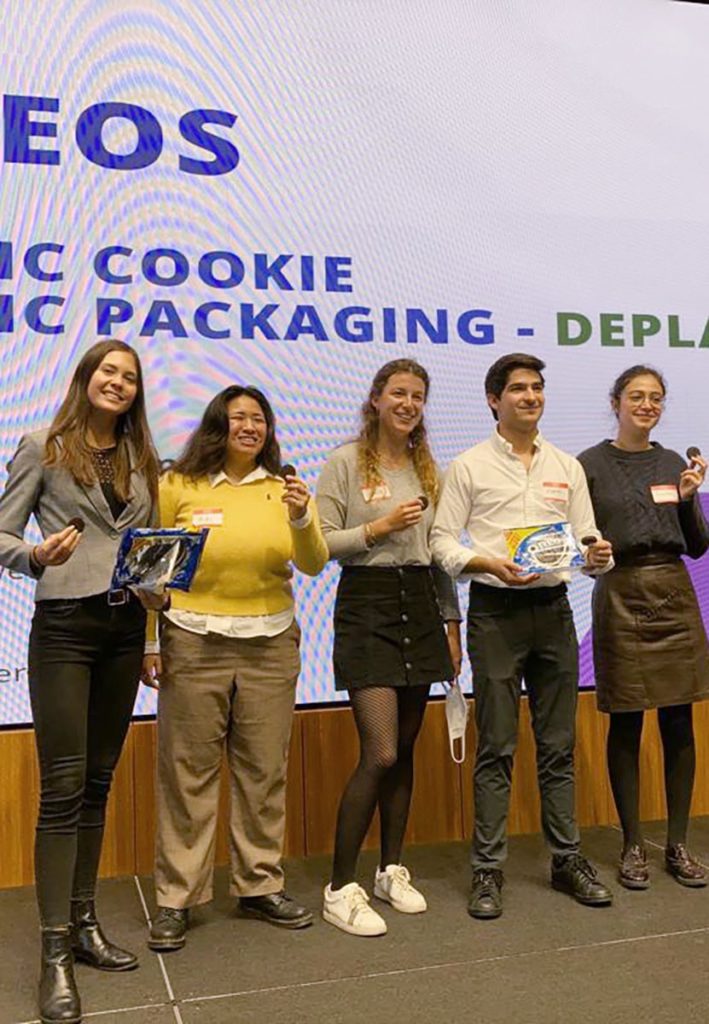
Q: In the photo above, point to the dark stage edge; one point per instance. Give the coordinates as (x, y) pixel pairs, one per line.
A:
(547, 959)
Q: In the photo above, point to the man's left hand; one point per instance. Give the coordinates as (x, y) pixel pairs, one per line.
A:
(598, 555)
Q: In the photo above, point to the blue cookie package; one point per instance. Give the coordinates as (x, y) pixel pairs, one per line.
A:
(549, 547)
(150, 559)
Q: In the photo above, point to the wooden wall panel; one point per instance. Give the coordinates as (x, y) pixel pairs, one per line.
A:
(436, 807)
(700, 802)
(19, 795)
(295, 793)
(144, 761)
(324, 750)
(330, 752)
(594, 799)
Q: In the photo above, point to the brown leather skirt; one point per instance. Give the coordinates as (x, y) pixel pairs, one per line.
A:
(649, 644)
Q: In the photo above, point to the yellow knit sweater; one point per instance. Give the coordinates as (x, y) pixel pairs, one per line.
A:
(245, 567)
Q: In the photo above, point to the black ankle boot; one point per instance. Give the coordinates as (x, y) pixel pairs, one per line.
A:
(91, 946)
(59, 1001)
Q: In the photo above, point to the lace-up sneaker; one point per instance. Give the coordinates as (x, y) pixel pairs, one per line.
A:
(485, 900)
(393, 885)
(348, 908)
(574, 875)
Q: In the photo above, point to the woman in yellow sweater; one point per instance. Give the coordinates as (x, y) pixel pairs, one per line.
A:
(229, 665)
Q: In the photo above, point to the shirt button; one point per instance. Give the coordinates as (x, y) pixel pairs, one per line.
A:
(408, 666)
(404, 617)
(402, 594)
(407, 640)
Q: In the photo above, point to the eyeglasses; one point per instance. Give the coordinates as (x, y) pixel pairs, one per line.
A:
(656, 400)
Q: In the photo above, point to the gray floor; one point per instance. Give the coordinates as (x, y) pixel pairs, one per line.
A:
(547, 959)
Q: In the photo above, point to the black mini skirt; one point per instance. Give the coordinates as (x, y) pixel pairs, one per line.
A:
(389, 630)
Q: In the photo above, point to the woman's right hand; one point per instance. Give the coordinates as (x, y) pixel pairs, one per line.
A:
(152, 670)
(407, 514)
(57, 548)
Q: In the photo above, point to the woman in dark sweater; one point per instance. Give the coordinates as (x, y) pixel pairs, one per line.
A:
(649, 644)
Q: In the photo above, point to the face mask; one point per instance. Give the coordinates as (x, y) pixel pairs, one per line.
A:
(457, 718)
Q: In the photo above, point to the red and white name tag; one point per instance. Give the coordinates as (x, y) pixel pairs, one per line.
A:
(379, 493)
(665, 494)
(208, 517)
(555, 491)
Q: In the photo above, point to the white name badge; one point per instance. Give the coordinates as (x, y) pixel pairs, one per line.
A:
(378, 493)
(208, 517)
(555, 491)
(665, 494)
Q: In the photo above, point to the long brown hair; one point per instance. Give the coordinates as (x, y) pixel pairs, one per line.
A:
(205, 451)
(67, 442)
(368, 455)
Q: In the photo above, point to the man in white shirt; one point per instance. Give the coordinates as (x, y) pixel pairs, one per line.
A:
(520, 625)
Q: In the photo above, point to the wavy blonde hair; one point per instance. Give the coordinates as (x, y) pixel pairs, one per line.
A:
(367, 441)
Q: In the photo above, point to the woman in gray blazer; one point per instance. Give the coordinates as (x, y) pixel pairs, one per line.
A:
(85, 480)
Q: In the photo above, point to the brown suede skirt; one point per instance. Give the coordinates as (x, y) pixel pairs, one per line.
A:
(649, 644)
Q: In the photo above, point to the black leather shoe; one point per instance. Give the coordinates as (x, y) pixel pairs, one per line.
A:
(59, 1001)
(168, 930)
(91, 946)
(684, 868)
(574, 875)
(278, 908)
(485, 900)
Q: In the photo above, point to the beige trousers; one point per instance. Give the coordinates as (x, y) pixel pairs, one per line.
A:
(222, 693)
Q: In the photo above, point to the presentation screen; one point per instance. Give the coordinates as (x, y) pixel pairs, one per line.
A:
(291, 194)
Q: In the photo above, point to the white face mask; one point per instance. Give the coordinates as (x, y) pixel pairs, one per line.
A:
(457, 709)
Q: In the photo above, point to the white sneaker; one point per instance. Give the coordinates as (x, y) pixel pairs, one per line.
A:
(393, 884)
(348, 908)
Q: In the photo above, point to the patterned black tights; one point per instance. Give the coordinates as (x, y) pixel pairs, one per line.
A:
(388, 721)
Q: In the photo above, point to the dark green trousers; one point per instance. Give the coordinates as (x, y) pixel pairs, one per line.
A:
(515, 635)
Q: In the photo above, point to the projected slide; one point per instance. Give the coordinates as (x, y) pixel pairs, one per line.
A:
(291, 194)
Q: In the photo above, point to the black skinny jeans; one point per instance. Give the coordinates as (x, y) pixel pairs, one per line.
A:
(84, 666)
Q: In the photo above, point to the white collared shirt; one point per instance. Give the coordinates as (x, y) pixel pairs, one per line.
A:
(488, 490)
(240, 626)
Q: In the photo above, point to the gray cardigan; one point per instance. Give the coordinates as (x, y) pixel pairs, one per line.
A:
(52, 496)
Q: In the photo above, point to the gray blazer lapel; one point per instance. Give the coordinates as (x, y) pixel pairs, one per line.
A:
(98, 500)
(139, 503)
(94, 494)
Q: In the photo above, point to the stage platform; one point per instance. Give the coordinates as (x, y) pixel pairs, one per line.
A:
(547, 959)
